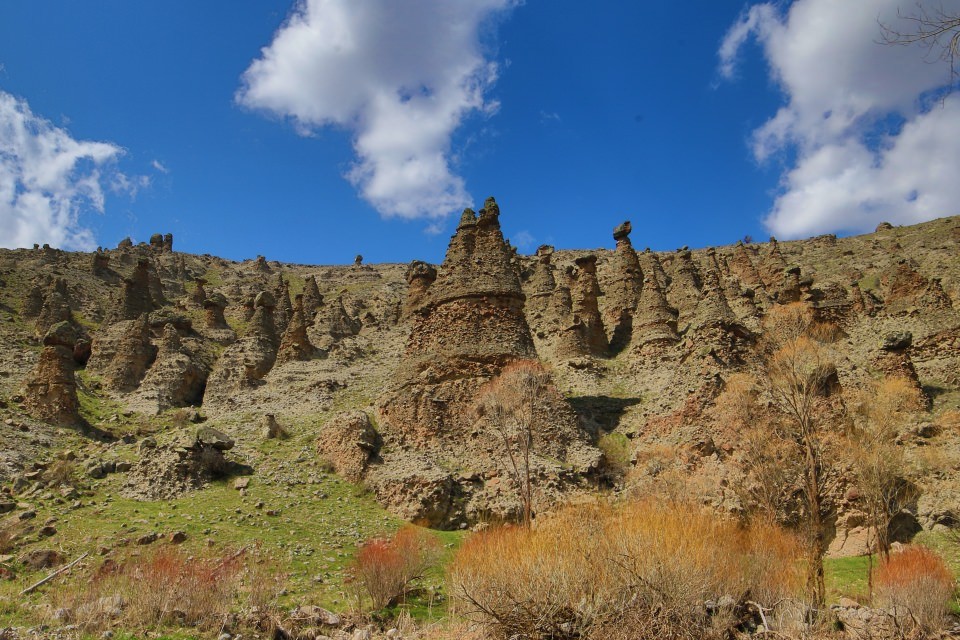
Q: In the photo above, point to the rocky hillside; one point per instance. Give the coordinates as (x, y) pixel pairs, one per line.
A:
(385, 363)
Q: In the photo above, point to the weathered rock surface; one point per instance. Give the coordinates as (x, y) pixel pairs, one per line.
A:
(122, 353)
(50, 391)
(469, 329)
(176, 378)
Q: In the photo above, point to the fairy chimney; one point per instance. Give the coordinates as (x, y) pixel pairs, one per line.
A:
(50, 391)
(585, 294)
(295, 344)
(420, 275)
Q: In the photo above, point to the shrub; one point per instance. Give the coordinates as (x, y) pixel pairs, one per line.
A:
(385, 568)
(641, 570)
(916, 585)
(616, 449)
(162, 586)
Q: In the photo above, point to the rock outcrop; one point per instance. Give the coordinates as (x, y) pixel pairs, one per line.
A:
(50, 391)
(244, 363)
(585, 294)
(295, 343)
(176, 378)
(349, 443)
(623, 292)
(136, 297)
(334, 321)
(470, 327)
(540, 291)
(420, 275)
(905, 289)
(55, 309)
(654, 321)
(894, 360)
(213, 308)
(311, 298)
(685, 284)
(122, 353)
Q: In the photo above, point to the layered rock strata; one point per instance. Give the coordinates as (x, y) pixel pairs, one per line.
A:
(50, 391)
(468, 329)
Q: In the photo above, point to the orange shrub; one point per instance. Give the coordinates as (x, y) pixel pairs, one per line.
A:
(163, 585)
(643, 569)
(916, 585)
(384, 568)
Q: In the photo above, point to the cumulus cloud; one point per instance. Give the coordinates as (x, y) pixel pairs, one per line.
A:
(400, 76)
(865, 131)
(48, 179)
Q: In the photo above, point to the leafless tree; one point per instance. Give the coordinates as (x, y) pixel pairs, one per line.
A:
(877, 461)
(933, 27)
(508, 403)
(798, 375)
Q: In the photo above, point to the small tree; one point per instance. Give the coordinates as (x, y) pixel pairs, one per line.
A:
(798, 376)
(876, 460)
(508, 403)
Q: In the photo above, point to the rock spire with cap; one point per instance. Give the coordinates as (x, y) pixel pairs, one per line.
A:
(470, 327)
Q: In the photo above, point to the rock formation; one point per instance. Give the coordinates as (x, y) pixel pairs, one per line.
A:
(244, 363)
(136, 298)
(168, 242)
(311, 298)
(156, 242)
(684, 291)
(334, 321)
(420, 275)
(199, 295)
(585, 294)
(213, 307)
(284, 308)
(654, 321)
(295, 344)
(894, 360)
(540, 289)
(33, 301)
(175, 379)
(100, 264)
(55, 309)
(261, 266)
(50, 391)
(348, 443)
(782, 281)
(905, 289)
(469, 329)
(122, 353)
(623, 293)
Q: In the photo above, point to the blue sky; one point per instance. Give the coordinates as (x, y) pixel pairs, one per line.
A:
(314, 131)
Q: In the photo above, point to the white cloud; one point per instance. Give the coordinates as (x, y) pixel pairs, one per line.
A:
(159, 166)
(863, 138)
(47, 179)
(523, 240)
(400, 76)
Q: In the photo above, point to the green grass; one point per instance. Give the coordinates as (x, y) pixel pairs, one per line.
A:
(318, 524)
(846, 577)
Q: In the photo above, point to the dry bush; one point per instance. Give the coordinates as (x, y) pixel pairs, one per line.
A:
(916, 586)
(949, 422)
(385, 568)
(162, 586)
(588, 571)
